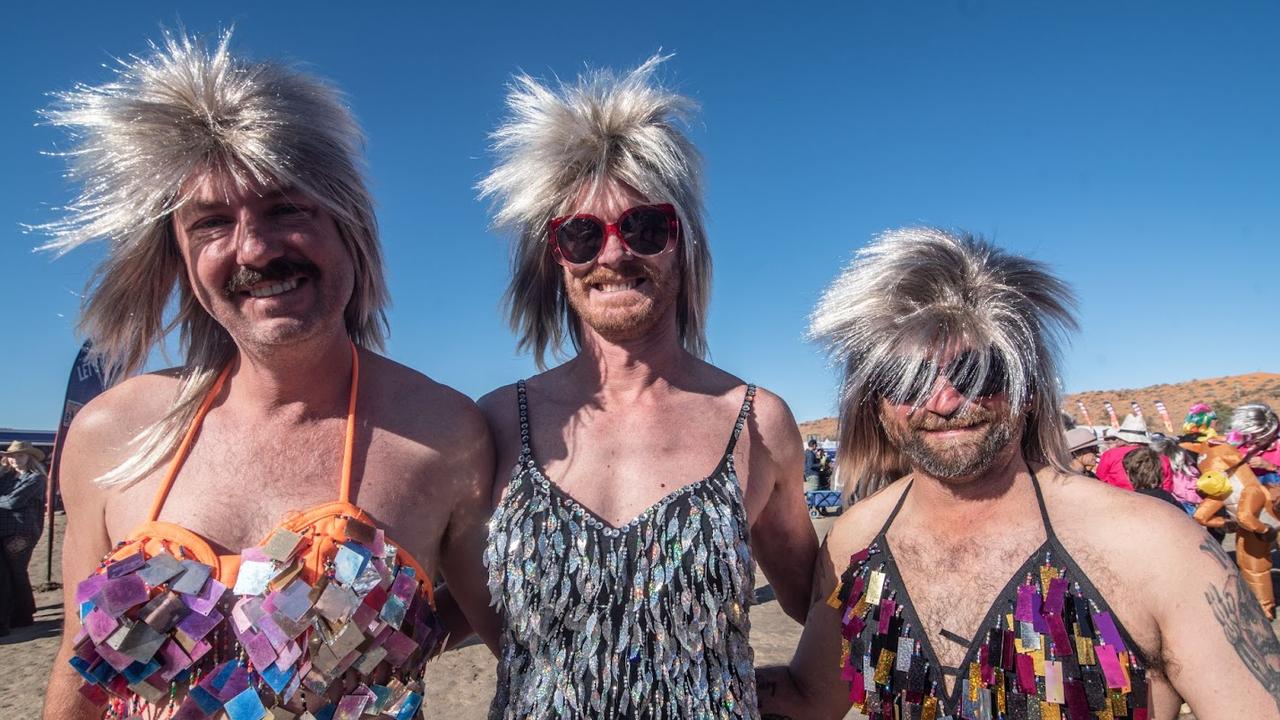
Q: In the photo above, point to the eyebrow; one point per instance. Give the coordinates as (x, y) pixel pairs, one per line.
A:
(203, 206)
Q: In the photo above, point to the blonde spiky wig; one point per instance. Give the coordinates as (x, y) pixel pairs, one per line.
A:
(914, 297)
(182, 111)
(556, 142)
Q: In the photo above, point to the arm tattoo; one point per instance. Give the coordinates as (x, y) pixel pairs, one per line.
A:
(1246, 628)
(1213, 549)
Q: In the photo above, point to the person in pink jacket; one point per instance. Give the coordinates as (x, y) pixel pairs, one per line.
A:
(1132, 434)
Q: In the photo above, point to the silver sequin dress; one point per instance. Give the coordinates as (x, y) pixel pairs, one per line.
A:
(647, 620)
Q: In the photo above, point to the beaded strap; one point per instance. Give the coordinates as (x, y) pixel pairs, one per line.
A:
(522, 397)
(742, 418)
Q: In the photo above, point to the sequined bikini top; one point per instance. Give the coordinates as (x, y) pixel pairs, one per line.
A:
(1049, 647)
(646, 620)
(322, 595)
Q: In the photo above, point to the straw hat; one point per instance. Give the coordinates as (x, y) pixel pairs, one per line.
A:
(22, 447)
(1132, 430)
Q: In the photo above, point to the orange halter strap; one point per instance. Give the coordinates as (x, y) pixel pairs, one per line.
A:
(348, 446)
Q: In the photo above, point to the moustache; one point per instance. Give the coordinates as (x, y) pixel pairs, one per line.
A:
(623, 273)
(973, 415)
(278, 269)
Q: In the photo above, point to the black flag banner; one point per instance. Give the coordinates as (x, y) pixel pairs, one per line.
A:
(87, 381)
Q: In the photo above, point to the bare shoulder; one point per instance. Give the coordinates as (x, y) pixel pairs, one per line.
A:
(1130, 540)
(499, 407)
(446, 424)
(100, 435)
(773, 417)
(425, 404)
(1115, 518)
(858, 524)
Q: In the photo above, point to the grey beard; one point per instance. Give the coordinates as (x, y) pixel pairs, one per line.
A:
(954, 462)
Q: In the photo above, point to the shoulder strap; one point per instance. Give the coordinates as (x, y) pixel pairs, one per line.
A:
(522, 399)
(184, 447)
(1044, 511)
(742, 419)
(898, 506)
(349, 438)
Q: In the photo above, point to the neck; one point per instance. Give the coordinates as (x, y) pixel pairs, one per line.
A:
(313, 377)
(629, 367)
(967, 504)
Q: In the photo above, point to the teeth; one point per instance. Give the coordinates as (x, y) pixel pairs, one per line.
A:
(617, 287)
(273, 289)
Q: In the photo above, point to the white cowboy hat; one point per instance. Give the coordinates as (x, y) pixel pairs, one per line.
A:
(1132, 430)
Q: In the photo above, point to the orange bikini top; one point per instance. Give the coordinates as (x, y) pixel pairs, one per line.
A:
(321, 601)
(323, 527)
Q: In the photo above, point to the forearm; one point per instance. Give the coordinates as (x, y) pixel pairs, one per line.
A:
(791, 585)
(62, 699)
(457, 627)
(782, 697)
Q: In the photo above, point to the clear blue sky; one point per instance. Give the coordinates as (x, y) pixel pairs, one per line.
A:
(1133, 146)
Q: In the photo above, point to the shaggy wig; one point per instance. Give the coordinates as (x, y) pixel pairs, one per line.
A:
(559, 141)
(1257, 422)
(912, 299)
(183, 111)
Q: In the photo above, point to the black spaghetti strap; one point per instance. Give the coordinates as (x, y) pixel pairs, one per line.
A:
(1044, 511)
(742, 420)
(901, 499)
(523, 398)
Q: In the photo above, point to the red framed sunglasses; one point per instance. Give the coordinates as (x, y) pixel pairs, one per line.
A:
(645, 230)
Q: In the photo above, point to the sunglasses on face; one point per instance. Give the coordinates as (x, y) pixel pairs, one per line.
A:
(963, 372)
(645, 230)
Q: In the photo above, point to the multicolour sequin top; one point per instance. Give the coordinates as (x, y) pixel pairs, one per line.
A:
(325, 603)
(1048, 649)
(647, 620)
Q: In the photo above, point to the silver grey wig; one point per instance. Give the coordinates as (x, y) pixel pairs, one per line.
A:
(556, 142)
(1256, 421)
(182, 111)
(910, 300)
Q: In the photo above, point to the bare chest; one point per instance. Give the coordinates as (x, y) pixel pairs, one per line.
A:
(619, 466)
(234, 488)
(953, 584)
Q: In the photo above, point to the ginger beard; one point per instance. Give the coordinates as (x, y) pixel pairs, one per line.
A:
(621, 315)
(985, 433)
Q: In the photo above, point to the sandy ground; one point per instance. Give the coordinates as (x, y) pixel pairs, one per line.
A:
(461, 681)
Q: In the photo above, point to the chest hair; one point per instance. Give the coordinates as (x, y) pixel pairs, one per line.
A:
(952, 582)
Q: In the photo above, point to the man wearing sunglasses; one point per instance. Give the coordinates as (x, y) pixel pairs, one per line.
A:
(631, 476)
(991, 581)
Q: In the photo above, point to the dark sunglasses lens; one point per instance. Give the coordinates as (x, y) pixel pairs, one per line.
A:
(967, 376)
(907, 385)
(580, 239)
(646, 230)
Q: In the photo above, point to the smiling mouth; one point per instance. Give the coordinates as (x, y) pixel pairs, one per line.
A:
(964, 428)
(272, 289)
(616, 287)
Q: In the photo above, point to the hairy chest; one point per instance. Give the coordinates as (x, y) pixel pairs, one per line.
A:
(953, 584)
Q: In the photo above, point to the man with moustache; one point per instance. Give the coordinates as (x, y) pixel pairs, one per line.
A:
(632, 476)
(991, 581)
(261, 526)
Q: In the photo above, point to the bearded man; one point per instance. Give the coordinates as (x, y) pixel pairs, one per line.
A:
(632, 476)
(261, 526)
(991, 581)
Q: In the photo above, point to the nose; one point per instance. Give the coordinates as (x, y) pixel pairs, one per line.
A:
(614, 251)
(944, 400)
(255, 244)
